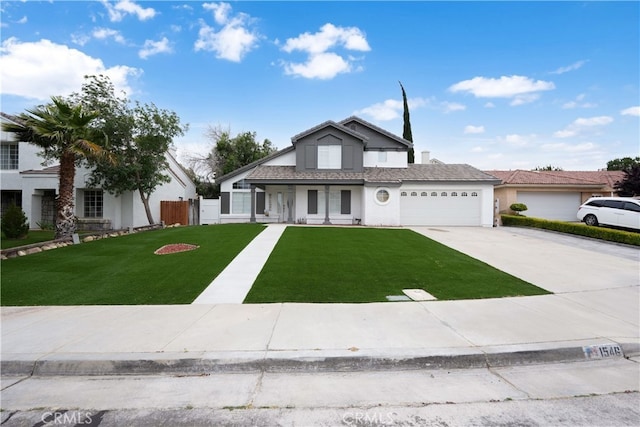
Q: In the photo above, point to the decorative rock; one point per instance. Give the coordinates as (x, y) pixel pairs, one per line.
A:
(33, 250)
(88, 239)
(21, 253)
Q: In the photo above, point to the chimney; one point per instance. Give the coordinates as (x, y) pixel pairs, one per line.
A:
(425, 157)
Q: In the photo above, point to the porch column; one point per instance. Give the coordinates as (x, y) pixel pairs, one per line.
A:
(253, 204)
(290, 204)
(326, 205)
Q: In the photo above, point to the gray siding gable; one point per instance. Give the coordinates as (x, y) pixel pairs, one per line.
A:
(378, 138)
(329, 133)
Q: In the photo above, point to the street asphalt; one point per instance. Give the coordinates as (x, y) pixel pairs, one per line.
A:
(594, 310)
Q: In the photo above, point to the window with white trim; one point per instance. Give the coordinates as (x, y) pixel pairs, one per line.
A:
(329, 156)
(9, 156)
(241, 185)
(93, 203)
(334, 202)
(240, 202)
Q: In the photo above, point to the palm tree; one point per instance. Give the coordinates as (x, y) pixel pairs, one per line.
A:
(63, 131)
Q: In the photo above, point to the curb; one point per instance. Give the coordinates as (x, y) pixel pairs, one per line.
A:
(289, 362)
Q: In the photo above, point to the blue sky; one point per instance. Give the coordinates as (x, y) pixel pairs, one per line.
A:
(498, 85)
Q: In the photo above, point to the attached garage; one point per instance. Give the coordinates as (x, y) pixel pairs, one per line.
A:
(561, 206)
(441, 207)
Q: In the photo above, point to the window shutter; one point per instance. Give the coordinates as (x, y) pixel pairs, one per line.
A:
(345, 201)
(312, 202)
(224, 202)
(260, 202)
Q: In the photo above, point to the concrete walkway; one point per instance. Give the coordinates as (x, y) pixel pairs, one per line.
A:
(596, 302)
(234, 283)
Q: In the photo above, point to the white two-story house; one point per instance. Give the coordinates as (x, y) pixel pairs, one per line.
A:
(353, 172)
(25, 182)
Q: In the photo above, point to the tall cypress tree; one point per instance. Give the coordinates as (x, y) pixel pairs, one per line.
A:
(406, 131)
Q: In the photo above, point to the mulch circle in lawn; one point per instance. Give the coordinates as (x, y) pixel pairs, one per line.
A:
(175, 248)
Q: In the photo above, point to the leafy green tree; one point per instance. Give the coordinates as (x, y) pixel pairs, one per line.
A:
(229, 154)
(139, 135)
(622, 163)
(406, 130)
(14, 222)
(64, 133)
(548, 168)
(630, 184)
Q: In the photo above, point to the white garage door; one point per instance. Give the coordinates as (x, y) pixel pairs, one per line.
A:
(440, 207)
(550, 205)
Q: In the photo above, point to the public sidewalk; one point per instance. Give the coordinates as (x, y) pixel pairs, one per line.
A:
(596, 302)
(234, 282)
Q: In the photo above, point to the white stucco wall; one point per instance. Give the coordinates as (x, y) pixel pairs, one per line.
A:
(377, 214)
(395, 159)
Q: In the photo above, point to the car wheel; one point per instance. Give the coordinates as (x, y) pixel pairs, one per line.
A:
(591, 220)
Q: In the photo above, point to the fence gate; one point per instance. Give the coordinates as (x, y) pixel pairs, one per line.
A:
(174, 212)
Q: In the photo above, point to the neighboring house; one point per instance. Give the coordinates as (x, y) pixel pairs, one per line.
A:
(27, 184)
(353, 172)
(554, 195)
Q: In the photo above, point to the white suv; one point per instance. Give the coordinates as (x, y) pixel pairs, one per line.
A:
(615, 211)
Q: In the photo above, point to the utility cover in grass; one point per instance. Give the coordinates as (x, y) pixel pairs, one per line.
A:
(419, 295)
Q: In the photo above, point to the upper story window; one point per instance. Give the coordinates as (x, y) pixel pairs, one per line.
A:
(9, 156)
(241, 185)
(329, 157)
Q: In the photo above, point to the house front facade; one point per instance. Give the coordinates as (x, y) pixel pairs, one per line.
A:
(25, 182)
(353, 172)
(553, 195)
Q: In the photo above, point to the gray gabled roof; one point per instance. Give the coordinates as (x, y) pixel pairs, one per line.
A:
(428, 173)
(254, 164)
(329, 123)
(376, 128)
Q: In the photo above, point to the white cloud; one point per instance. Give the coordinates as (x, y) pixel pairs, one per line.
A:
(631, 111)
(153, 48)
(105, 33)
(39, 70)
(568, 68)
(234, 40)
(449, 107)
(478, 149)
(473, 129)
(122, 8)
(390, 109)
(317, 47)
(22, 20)
(221, 11)
(581, 124)
(80, 39)
(517, 140)
(328, 37)
(578, 103)
(522, 89)
(570, 148)
(489, 105)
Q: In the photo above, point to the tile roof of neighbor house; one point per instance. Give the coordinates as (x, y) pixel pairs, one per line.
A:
(51, 170)
(414, 172)
(558, 178)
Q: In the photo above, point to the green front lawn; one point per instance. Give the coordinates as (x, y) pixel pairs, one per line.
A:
(125, 270)
(324, 265)
(34, 236)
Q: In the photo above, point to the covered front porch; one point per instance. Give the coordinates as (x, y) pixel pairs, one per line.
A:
(306, 204)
